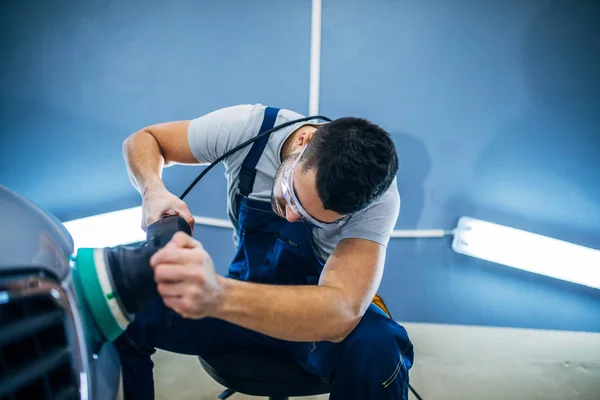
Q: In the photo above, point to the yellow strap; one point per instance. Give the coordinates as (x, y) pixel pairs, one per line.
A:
(378, 301)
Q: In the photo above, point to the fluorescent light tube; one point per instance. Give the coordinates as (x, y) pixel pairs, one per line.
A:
(107, 230)
(527, 251)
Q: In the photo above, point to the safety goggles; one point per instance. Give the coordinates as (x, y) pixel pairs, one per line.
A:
(287, 185)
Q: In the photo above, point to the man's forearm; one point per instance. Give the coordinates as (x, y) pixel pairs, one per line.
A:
(295, 313)
(144, 161)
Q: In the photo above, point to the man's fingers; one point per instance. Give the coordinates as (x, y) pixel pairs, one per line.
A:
(174, 303)
(171, 254)
(183, 240)
(175, 289)
(181, 305)
(160, 203)
(170, 273)
(185, 213)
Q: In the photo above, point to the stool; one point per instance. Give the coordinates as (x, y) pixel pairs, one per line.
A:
(262, 374)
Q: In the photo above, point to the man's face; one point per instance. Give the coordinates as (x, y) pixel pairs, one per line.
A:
(304, 187)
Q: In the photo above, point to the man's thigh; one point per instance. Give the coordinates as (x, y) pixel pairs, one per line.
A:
(159, 327)
(377, 339)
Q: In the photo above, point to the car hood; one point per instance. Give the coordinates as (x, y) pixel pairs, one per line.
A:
(31, 238)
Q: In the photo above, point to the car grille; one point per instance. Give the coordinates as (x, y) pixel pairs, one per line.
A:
(36, 361)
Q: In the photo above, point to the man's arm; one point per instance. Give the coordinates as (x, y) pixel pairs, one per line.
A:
(146, 153)
(197, 141)
(327, 312)
(150, 149)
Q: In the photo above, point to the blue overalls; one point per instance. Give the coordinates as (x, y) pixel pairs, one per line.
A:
(371, 363)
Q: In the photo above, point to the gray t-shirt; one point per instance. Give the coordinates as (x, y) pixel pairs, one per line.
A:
(213, 134)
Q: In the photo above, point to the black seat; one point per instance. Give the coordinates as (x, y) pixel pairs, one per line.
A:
(262, 374)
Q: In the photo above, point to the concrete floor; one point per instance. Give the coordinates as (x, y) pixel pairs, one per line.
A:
(178, 377)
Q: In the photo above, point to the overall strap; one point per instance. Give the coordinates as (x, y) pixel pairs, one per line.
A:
(248, 170)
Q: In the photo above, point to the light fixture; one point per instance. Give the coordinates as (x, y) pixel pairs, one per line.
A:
(120, 227)
(473, 237)
(527, 251)
(108, 229)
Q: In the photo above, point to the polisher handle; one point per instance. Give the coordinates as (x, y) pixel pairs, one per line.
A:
(160, 232)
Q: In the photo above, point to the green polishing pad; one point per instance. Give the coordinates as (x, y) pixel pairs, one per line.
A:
(94, 296)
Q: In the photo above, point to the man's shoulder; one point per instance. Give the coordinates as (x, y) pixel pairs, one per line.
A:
(388, 203)
(377, 221)
(213, 134)
(248, 115)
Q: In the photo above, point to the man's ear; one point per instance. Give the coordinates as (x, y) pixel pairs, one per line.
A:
(303, 138)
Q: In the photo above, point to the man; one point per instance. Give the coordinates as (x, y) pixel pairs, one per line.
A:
(313, 205)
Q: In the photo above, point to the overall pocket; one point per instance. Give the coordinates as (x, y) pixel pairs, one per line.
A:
(291, 267)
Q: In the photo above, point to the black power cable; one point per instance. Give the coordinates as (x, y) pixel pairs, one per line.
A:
(414, 392)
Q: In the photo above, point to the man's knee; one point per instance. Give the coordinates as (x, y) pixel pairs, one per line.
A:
(379, 339)
(140, 333)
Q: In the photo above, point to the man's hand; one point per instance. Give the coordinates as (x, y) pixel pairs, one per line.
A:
(160, 202)
(186, 277)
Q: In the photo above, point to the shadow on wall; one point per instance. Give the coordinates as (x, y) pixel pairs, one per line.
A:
(414, 164)
(541, 171)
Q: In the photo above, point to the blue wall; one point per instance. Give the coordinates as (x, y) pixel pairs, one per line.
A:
(494, 107)
(79, 77)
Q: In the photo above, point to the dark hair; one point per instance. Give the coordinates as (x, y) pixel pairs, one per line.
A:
(356, 162)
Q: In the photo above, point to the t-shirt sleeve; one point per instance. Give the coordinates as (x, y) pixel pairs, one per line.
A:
(376, 222)
(213, 134)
